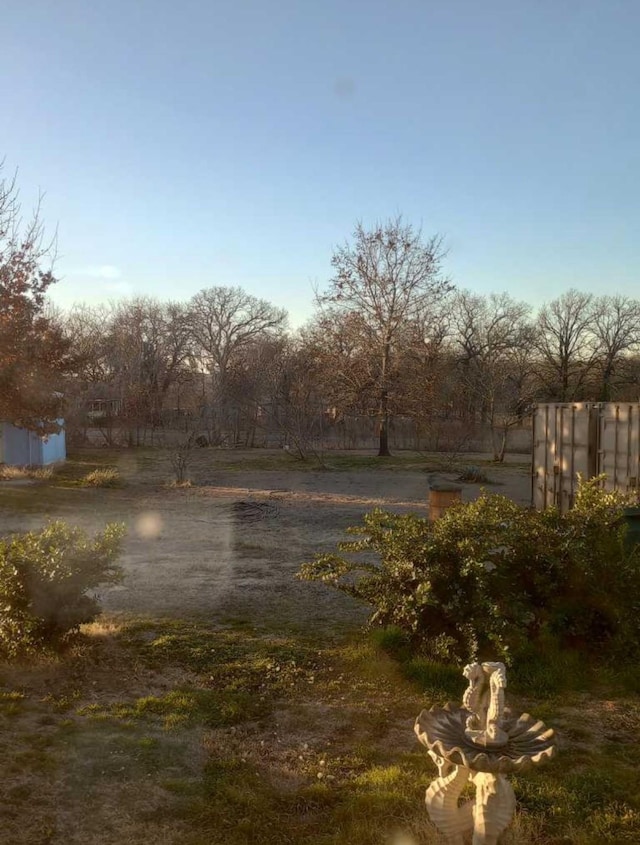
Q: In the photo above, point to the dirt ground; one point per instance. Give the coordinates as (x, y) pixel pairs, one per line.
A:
(219, 700)
(226, 550)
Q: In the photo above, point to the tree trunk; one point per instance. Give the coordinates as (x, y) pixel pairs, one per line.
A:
(383, 431)
(605, 393)
(564, 382)
(383, 414)
(503, 445)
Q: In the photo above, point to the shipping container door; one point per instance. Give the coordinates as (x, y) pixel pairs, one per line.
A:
(619, 445)
(564, 445)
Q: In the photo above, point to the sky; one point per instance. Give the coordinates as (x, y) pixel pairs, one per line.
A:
(182, 145)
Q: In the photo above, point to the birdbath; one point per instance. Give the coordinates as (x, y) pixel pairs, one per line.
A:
(479, 742)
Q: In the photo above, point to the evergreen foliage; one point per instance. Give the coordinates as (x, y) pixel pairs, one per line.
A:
(493, 580)
(46, 583)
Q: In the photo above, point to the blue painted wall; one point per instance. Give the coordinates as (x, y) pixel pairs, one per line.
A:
(20, 447)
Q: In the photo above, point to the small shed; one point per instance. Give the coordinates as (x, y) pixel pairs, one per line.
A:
(22, 447)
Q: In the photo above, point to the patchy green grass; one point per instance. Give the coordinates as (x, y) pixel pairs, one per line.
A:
(11, 703)
(594, 801)
(178, 733)
(181, 734)
(270, 460)
(80, 463)
(346, 461)
(438, 462)
(150, 466)
(31, 499)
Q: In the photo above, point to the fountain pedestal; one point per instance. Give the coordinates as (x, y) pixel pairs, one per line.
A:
(479, 742)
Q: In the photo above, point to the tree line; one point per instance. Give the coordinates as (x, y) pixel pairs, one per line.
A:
(392, 340)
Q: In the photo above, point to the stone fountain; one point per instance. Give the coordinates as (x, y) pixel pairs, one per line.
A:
(479, 742)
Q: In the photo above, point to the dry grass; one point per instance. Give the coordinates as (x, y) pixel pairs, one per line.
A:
(181, 734)
(14, 473)
(109, 477)
(187, 735)
(175, 733)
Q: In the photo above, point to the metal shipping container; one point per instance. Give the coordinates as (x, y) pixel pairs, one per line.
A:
(586, 438)
(619, 445)
(564, 444)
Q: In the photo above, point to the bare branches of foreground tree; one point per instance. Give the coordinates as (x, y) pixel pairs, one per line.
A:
(33, 351)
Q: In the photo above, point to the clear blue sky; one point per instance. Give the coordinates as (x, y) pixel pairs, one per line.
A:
(188, 144)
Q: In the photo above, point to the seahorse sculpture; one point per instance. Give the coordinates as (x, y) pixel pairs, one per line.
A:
(479, 742)
(442, 801)
(484, 697)
(494, 807)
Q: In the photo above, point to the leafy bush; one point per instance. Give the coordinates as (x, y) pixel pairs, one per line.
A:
(109, 477)
(45, 577)
(492, 579)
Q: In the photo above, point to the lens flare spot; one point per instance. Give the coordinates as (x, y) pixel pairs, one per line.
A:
(403, 839)
(148, 525)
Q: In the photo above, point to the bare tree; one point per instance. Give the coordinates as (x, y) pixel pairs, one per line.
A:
(153, 344)
(566, 342)
(249, 385)
(423, 365)
(386, 276)
(180, 455)
(616, 327)
(346, 367)
(494, 338)
(224, 320)
(297, 405)
(86, 330)
(130, 354)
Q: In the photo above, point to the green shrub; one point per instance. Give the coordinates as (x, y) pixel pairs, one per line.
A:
(45, 579)
(109, 477)
(490, 578)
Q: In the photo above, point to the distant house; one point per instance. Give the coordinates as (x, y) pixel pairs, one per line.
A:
(21, 447)
(99, 409)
